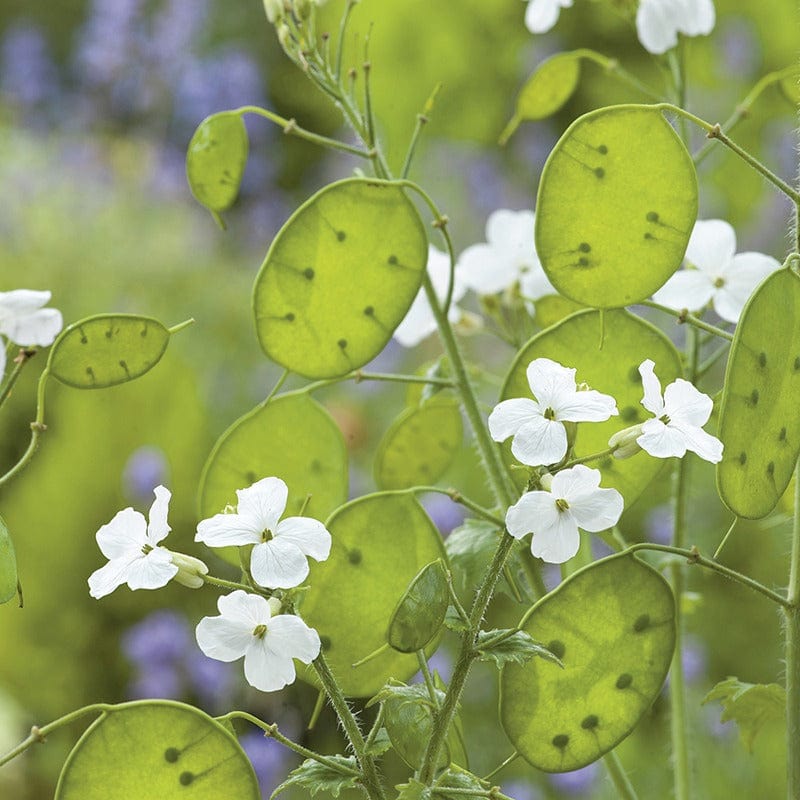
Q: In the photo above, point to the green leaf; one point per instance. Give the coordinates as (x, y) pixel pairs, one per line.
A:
(291, 437)
(215, 161)
(617, 202)
(758, 422)
(107, 349)
(413, 790)
(380, 744)
(339, 277)
(8, 565)
(611, 365)
(454, 777)
(314, 777)
(380, 542)
(750, 705)
(420, 614)
(419, 445)
(612, 625)
(157, 750)
(516, 648)
(552, 83)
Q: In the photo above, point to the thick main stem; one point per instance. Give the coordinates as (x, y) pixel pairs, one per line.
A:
(792, 619)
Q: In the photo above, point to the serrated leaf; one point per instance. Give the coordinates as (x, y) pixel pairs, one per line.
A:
(515, 648)
(380, 744)
(413, 790)
(453, 621)
(215, 161)
(8, 565)
(175, 749)
(339, 278)
(454, 777)
(106, 350)
(616, 205)
(749, 705)
(314, 777)
(420, 613)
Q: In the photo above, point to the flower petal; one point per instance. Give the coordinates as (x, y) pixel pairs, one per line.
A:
(151, 571)
(278, 564)
(266, 671)
(418, 323)
(289, 635)
(550, 382)
(263, 502)
(534, 511)
(661, 441)
(224, 530)
(124, 536)
(103, 581)
(222, 639)
(157, 527)
(654, 27)
(688, 288)
(244, 609)
(483, 272)
(509, 416)
(540, 441)
(559, 542)
(309, 535)
(652, 399)
(2, 359)
(684, 403)
(704, 444)
(587, 406)
(24, 321)
(746, 271)
(541, 15)
(711, 246)
(698, 17)
(574, 482)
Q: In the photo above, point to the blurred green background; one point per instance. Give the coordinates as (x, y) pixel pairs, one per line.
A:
(98, 99)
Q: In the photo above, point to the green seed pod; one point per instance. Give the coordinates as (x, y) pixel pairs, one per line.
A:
(420, 613)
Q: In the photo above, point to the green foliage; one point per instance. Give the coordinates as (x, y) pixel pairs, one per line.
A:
(420, 613)
(107, 349)
(215, 161)
(758, 422)
(8, 565)
(511, 647)
(616, 205)
(313, 777)
(380, 543)
(157, 750)
(750, 705)
(419, 445)
(339, 277)
(612, 625)
(456, 778)
(606, 348)
(413, 790)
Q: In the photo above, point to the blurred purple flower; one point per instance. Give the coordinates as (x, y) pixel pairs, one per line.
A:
(440, 662)
(694, 658)
(160, 638)
(521, 790)
(739, 47)
(211, 680)
(27, 74)
(157, 680)
(659, 524)
(145, 469)
(577, 782)
(445, 514)
(270, 760)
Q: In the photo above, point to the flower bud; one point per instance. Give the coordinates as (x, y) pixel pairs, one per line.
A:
(190, 570)
(302, 9)
(469, 323)
(274, 606)
(624, 442)
(273, 9)
(546, 481)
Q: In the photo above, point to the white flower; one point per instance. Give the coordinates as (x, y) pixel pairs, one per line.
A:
(246, 627)
(538, 425)
(419, 322)
(575, 500)
(278, 559)
(722, 277)
(508, 258)
(679, 418)
(131, 545)
(541, 15)
(25, 322)
(658, 22)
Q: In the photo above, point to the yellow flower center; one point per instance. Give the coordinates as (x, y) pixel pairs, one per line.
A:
(562, 504)
(260, 631)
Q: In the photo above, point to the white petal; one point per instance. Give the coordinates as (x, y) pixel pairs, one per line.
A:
(558, 543)
(222, 639)
(688, 288)
(2, 359)
(509, 416)
(684, 403)
(746, 271)
(289, 635)
(244, 609)
(575, 482)
(309, 535)
(24, 321)
(541, 15)
(540, 441)
(534, 511)
(21, 302)
(594, 509)
(418, 323)
(278, 564)
(510, 230)
(224, 530)
(698, 18)
(151, 571)
(588, 406)
(103, 581)
(655, 29)
(550, 382)
(157, 527)
(534, 283)
(263, 502)
(704, 444)
(660, 440)
(124, 536)
(483, 272)
(266, 671)
(439, 271)
(711, 246)
(652, 400)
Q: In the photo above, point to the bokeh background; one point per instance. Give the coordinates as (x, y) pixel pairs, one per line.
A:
(98, 99)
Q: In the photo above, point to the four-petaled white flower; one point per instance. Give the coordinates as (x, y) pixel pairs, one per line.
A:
(541, 15)
(722, 277)
(246, 627)
(575, 500)
(538, 425)
(278, 559)
(679, 417)
(131, 545)
(658, 22)
(419, 322)
(25, 322)
(507, 258)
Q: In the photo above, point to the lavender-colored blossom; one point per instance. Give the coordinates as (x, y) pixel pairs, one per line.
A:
(694, 658)
(740, 47)
(27, 74)
(211, 680)
(161, 638)
(270, 760)
(578, 782)
(445, 514)
(440, 662)
(659, 524)
(161, 681)
(521, 790)
(145, 469)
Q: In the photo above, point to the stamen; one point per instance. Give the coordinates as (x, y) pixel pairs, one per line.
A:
(259, 631)
(549, 413)
(562, 504)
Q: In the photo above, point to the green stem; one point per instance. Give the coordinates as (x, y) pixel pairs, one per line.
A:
(180, 326)
(513, 757)
(372, 783)
(493, 794)
(586, 459)
(792, 655)
(38, 735)
(612, 67)
(619, 778)
(25, 355)
(422, 121)
(223, 584)
(428, 678)
(459, 498)
(340, 44)
(684, 316)
(495, 640)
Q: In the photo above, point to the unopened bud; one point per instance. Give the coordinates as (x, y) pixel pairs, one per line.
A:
(274, 606)
(190, 570)
(546, 481)
(285, 38)
(302, 9)
(624, 442)
(469, 323)
(273, 9)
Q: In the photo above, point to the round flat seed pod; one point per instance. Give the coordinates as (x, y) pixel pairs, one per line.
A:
(106, 350)
(617, 203)
(758, 424)
(420, 614)
(157, 750)
(612, 625)
(339, 278)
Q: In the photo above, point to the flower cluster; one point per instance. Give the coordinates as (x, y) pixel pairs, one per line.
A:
(25, 321)
(249, 625)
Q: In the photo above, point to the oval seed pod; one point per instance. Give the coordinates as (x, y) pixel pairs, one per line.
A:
(420, 613)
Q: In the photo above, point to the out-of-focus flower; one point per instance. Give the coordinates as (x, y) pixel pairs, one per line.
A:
(507, 259)
(25, 321)
(279, 558)
(658, 22)
(538, 425)
(145, 469)
(246, 627)
(576, 783)
(722, 277)
(541, 15)
(269, 759)
(419, 322)
(575, 500)
(160, 638)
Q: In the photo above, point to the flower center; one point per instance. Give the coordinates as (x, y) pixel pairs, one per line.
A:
(562, 504)
(266, 535)
(259, 631)
(664, 418)
(147, 548)
(719, 283)
(549, 413)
